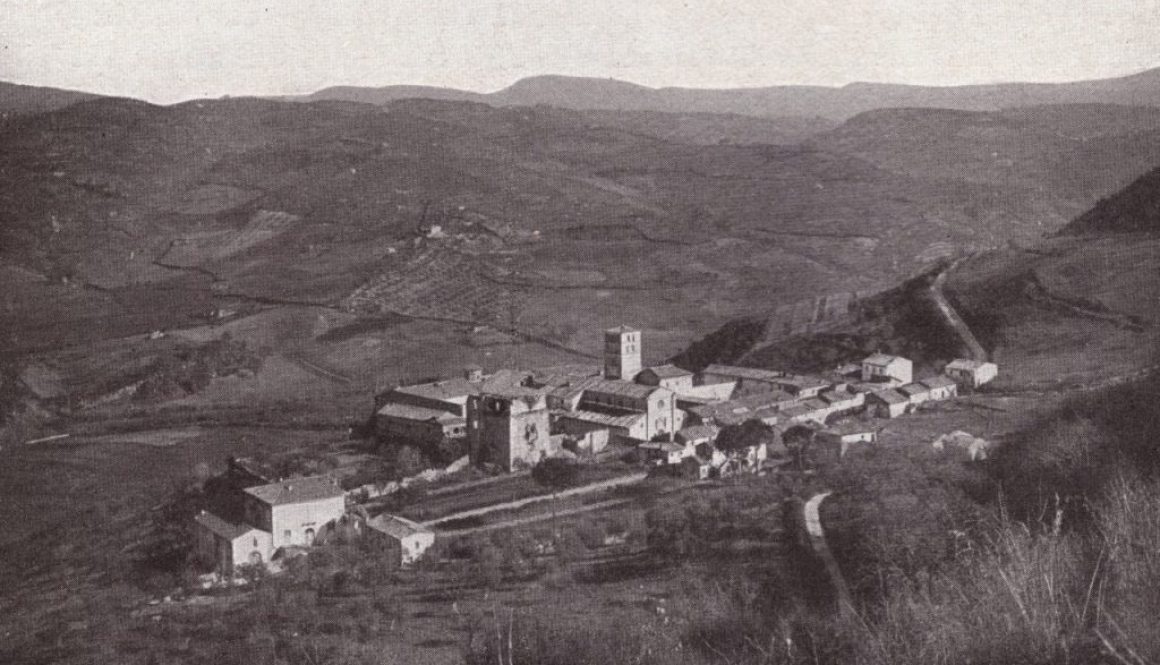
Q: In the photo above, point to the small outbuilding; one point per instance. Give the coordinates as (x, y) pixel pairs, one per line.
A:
(226, 545)
(971, 373)
(941, 387)
(402, 540)
(888, 403)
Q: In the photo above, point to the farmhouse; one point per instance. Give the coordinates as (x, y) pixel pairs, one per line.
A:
(418, 424)
(226, 545)
(664, 452)
(881, 367)
(847, 434)
(402, 541)
(295, 511)
(941, 387)
(888, 403)
(971, 373)
(916, 393)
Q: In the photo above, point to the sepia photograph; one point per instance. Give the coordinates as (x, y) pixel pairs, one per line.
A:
(536, 332)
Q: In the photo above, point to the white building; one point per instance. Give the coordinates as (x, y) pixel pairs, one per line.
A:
(971, 373)
(881, 367)
(295, 511)
(226, 545)
(402, 540)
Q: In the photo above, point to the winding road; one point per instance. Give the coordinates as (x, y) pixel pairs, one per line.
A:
(813, 523)
(956, 322)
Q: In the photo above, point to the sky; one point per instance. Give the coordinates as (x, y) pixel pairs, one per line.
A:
(168, 50)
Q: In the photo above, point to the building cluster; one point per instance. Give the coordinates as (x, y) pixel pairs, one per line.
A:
(256, 519)
(513, 419)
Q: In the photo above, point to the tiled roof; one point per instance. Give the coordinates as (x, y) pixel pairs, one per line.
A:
(815, 405)
(668, 371)
(418, 413)
(965, 364)
(297, 490)
(890, 397)
(881, 359)
(743, 372)
(227, 530)
(664, 446)
(395, 526)
(698, 432)
(623, 389)
(625, 421)
(912, 389)
(939, 381)
(448, 389)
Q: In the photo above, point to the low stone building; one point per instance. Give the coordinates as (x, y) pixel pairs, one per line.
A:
(845, 435)
(225, 545)
(971, 373)
(941, 387)
(420, 425)
(667, 376)
(401, 541)
(916, 393)
(881, 367)
(888, 403)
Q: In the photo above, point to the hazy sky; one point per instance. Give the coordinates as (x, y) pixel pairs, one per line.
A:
(166, 50)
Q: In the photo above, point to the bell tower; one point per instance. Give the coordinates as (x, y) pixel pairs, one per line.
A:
(621, 353)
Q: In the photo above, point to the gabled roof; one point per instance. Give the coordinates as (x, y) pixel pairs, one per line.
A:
(625, 421)
(815, 404)
(668, 371)
(881, 359)
(696, 432)
(447, 389)
(890, 397)
(623, 388)
(297, 490)
(939, 381)
(395, 526)
(228, 530)
(912, 389)
(744, 372)
(965, 364)
(418, 413)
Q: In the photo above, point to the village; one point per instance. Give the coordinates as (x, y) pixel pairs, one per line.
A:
(661, 420)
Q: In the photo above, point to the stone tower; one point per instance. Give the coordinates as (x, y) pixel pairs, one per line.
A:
(510, 429)
(621, 353)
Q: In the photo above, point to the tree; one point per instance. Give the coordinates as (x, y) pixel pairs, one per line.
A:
(555, 474)
(798, 440)
(734, 438)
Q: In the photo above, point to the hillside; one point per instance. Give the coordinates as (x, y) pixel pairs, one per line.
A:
(1076, 153)
(835, 103)
(1076, 310)
(16, 99)
(1135, 209)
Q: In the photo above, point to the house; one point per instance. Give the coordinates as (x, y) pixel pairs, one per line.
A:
(664, 452)
(881, 367)
(418, 424)
(941, 387)
(402, 540)
(971, 373)
(697, 435)
(916, 393)
(765, 406)
(667, 376)
(888, 403)
(842, 400)
(448, 395)
(226, 545)
(294, 511)
(510, 428)
(846, 434)
(748, 380)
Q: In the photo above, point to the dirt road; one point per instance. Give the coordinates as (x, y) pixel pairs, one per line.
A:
(956, 322)
(813, 522)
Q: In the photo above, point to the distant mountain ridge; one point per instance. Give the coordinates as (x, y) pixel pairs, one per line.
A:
(835, 103)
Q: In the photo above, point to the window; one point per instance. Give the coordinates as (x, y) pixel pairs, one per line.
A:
(286, 536)
(255, 541)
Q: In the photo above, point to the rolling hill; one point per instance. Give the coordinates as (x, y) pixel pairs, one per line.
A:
(1135, 209)
(835, 103)
(16, 99)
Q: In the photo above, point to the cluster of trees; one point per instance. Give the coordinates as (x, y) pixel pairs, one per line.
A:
(188, 369)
